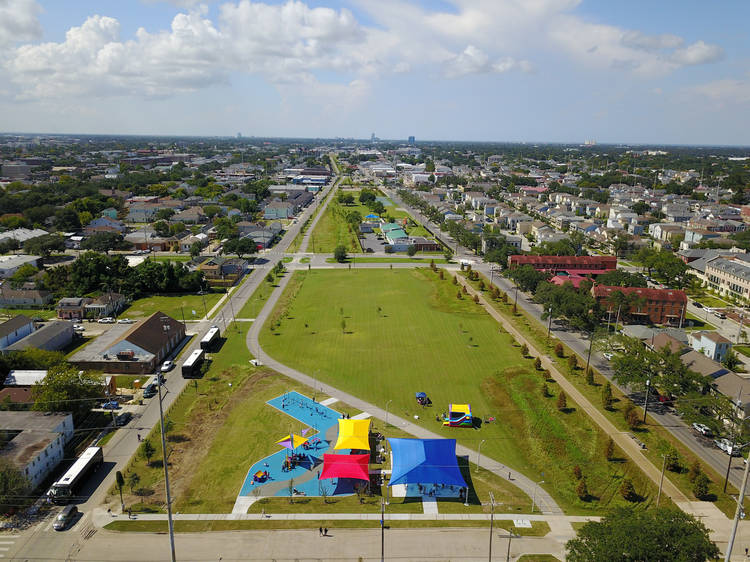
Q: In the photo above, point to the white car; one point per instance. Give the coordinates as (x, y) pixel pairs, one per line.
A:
(78, 327)
(702, 429)
(167, 366)
(608, 356)
(106, 320)
(124, 321)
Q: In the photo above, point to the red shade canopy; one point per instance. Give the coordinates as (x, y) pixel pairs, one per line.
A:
(345, 466)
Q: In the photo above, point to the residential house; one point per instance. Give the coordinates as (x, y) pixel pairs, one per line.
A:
(703, 365)
(15, 329)
(105, 224)
(53, 336)
(106, 304)
(278, 210)
(187, 243)
(191, 215)
(72, 308)
(22, 235)
(222, 271)
(10, 264)
(37, 442)
(23, 297)
(711, 344)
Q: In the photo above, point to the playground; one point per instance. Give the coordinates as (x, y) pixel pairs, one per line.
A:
(312, 433)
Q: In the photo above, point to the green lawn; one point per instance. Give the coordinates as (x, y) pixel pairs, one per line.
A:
(333, 230)
(386, 334)
(46, 314)
(257, 300)
(172, 258)
(173, 305)
(698, 323)
(710, 301)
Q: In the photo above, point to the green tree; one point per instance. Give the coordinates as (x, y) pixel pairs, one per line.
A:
(44, 245)
(607, 398)
(65, 389)
(148, 451)
(625, 535)
(22, 274)
(731, 361)
(609, 449)
(700, 486)
(105, 241)
(13, 486)
(195, 249)
(562, 401)
(582, 490)
(524, 350)
(120, 483)
(339, 254)
(411, 250)
(133, 481)
(627, 490)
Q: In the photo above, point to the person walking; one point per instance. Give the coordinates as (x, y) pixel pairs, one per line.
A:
(320, 531)
(325, 532)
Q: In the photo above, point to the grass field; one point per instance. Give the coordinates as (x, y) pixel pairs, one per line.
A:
(333, 230)
(257, 300)
(172, 305)
(46, 314)
(172, 258)
(423, 260)
(698, 323)
(387, 334)
(652, 434)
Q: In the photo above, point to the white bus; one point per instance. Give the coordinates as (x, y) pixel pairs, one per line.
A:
(211, 338)
(63, 490)
(191, 368)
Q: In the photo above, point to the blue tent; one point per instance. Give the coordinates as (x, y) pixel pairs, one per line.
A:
(371, 216)
(425, 461)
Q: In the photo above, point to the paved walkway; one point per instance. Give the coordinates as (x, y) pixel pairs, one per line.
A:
(311, 228)
(621, 439)
(543, 499)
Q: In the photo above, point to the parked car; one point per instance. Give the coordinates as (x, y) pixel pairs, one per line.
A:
(720, 314)
(608, 356)
(149, 391)
(79, 328)
(111, 405)
(702, 429)
(123, 419)
(124, 321)
(167, 366)
(696, 304)
(66, 517)
(106, 320)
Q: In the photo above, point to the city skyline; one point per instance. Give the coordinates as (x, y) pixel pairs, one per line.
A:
(558, 71)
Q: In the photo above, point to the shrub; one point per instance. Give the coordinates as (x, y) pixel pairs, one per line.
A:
(590, 377)
(609, 449)
(573, 362)
(559, 350)
(476, 299)
(481, 285)
(562, 401)
(464, 290)
(672, 460)
(695, 470)
(459, 295)
(545, 391)
(455, 281)
(432, 265)
(700, 486)
(504, 297)
(627, 490)
(441, 274)
(524, 350)
(577, 472)
(607, 396)
(582, 490)
(537, 364)
(633, 419)
(545, 374)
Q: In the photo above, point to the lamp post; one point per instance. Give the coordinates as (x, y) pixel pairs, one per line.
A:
(511, 535)
(533, 495)
(166, 326)
(479, 455)
(492, 521)
(645, 403)
(386, 411)
(588, 356)
(549, 325)
(382, 530)
(661, 480)
(737, 513)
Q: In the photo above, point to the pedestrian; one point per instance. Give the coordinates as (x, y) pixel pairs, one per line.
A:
(130, 513)
(325, 532)
(320, 531)
(139, 437)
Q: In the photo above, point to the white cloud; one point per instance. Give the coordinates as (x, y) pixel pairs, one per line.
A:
(19, 21)
(475, 61)
(697, 53)
(728, 91)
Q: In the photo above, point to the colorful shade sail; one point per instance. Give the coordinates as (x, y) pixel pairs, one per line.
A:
(346, 466)
(291, 441)
(425, 461)
(353, 434)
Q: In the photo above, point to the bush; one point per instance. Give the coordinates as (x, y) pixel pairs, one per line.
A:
(455, 281)
(481, 285)
(573, 362)
(582, 490)
(476, 299)
(441, 274)
(590, 377)
(388, 249)
(459, 296)
(627, 490)
(695, 470)
(609, 449)
(538, 364)
(545, 374)
(562, 401)
(607, 396)
(633, 419)
(504, 297)
(672, 460)
(545, 391)
(559, 350)
(464, 290)
(577, 472)
(524, 350)
(700, 486)
(339, 254)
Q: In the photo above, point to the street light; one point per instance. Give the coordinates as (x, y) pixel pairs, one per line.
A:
(166, 326)
(549, 325)
(511, 535)
(645, 404)
(386, 411)
(533, 495)
(739, 511)
(479, 454)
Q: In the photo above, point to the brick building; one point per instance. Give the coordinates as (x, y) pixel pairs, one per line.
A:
(648, 306)
(583, 265)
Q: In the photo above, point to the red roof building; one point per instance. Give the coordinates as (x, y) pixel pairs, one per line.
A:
(654, 306)
(578, 264)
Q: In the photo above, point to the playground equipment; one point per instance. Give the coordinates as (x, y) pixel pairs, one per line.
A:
(459, 415)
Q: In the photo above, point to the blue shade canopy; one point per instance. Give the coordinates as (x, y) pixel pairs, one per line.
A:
(425, 461)
(421, 395)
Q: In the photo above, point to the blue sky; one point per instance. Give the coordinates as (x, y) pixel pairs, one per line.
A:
(486, 70)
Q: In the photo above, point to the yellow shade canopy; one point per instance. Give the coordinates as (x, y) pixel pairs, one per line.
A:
(353, 434)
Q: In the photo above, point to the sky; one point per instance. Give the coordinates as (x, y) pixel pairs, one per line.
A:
(666, 72)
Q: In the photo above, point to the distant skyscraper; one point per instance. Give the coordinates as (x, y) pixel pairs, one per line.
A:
(412, 140)
(373, 138)
(239, 135)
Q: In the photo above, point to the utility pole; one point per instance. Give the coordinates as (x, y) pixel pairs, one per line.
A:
(645, 404)
(382, 530)
(492, 521)
(164, 460)
(591, 345)
(549, 325)
(737, 514)
(661, 480)
(739, 332)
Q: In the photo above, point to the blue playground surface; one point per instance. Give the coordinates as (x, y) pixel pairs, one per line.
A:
(320, 419)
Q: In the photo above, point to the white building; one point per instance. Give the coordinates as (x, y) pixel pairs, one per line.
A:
(10, 264)
(37, 446)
